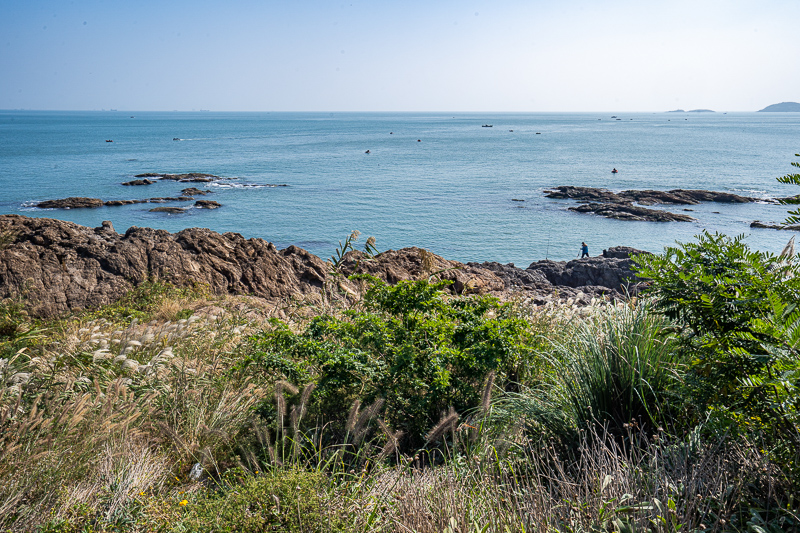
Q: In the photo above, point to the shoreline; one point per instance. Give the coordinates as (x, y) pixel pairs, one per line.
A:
(61, 267)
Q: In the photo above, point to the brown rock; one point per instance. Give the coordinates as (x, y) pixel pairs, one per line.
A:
(207, 204)
(168, 209)
(60, 266)
(73, 202)
(139, 182)
(194, 191)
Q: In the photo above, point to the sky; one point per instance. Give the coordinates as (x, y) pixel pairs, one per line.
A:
(410, 55)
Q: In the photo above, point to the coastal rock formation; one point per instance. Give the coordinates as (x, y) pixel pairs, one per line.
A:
(171, 210)
(646, 197)
(620, 205)
(194, 191)
(790, 227)
(73, 202)
(139, 182)
(581, 279)
(207, 204)
(189, 177)
(627, 211)
(60, 266)
(412, 263)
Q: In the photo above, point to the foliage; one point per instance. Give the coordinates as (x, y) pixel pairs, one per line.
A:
(793, 179)
(610, 373)
(143, 301)
(285, 501)
(738, 310)
(408, 344)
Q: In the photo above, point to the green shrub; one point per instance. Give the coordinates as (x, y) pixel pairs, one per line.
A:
(408, 344)
(285, 501)
(741, 334)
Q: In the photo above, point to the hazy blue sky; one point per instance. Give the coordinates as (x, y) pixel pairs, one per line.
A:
(239, 55)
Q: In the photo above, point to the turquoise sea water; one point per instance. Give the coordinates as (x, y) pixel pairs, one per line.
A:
(439, 181)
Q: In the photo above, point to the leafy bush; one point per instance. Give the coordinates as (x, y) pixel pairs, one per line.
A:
(285, 501)
(408, 344)
(738, 310)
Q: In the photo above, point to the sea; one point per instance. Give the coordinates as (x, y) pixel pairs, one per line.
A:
(446, 182)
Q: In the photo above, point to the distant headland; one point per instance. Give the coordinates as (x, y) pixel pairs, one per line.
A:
(782, 107)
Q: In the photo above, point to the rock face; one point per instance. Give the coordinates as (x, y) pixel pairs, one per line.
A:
(581, 279)
(410, 263)
(60, 266)
(73, 202)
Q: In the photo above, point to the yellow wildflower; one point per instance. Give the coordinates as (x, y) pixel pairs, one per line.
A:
(183, 502)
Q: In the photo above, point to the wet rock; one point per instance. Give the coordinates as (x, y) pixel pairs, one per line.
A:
(207, 204)
(191, 176)
(113, 203)
(194, 191)
(139, 182)
(168, 209)
(763, 225)
(73, 202)
(646, 197)
(624, 211)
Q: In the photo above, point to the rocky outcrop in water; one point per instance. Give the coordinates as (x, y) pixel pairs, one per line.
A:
(60, 266)
(73, 202)
(191, 177)
(630, 212)
(621, 206)
(139, 182)
(194, 191)
(168, 209)
(207, 204)
(763, 225)
(645, 197)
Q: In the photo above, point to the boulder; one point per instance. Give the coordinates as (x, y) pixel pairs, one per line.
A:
(139, 182)
(207, 204)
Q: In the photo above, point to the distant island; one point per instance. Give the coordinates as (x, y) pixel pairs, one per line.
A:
(782, 107)
(692, 111)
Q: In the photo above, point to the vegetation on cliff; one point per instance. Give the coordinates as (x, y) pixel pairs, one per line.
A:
(405, 408)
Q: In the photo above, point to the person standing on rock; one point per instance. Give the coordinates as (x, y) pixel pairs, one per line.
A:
(584, 250)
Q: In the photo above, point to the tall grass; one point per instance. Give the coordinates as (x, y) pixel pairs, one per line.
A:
(611, 370)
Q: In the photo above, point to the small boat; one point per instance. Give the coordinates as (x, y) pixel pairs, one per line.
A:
(614, 171)
(486, 126)
(176, 138)
(109, 141)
